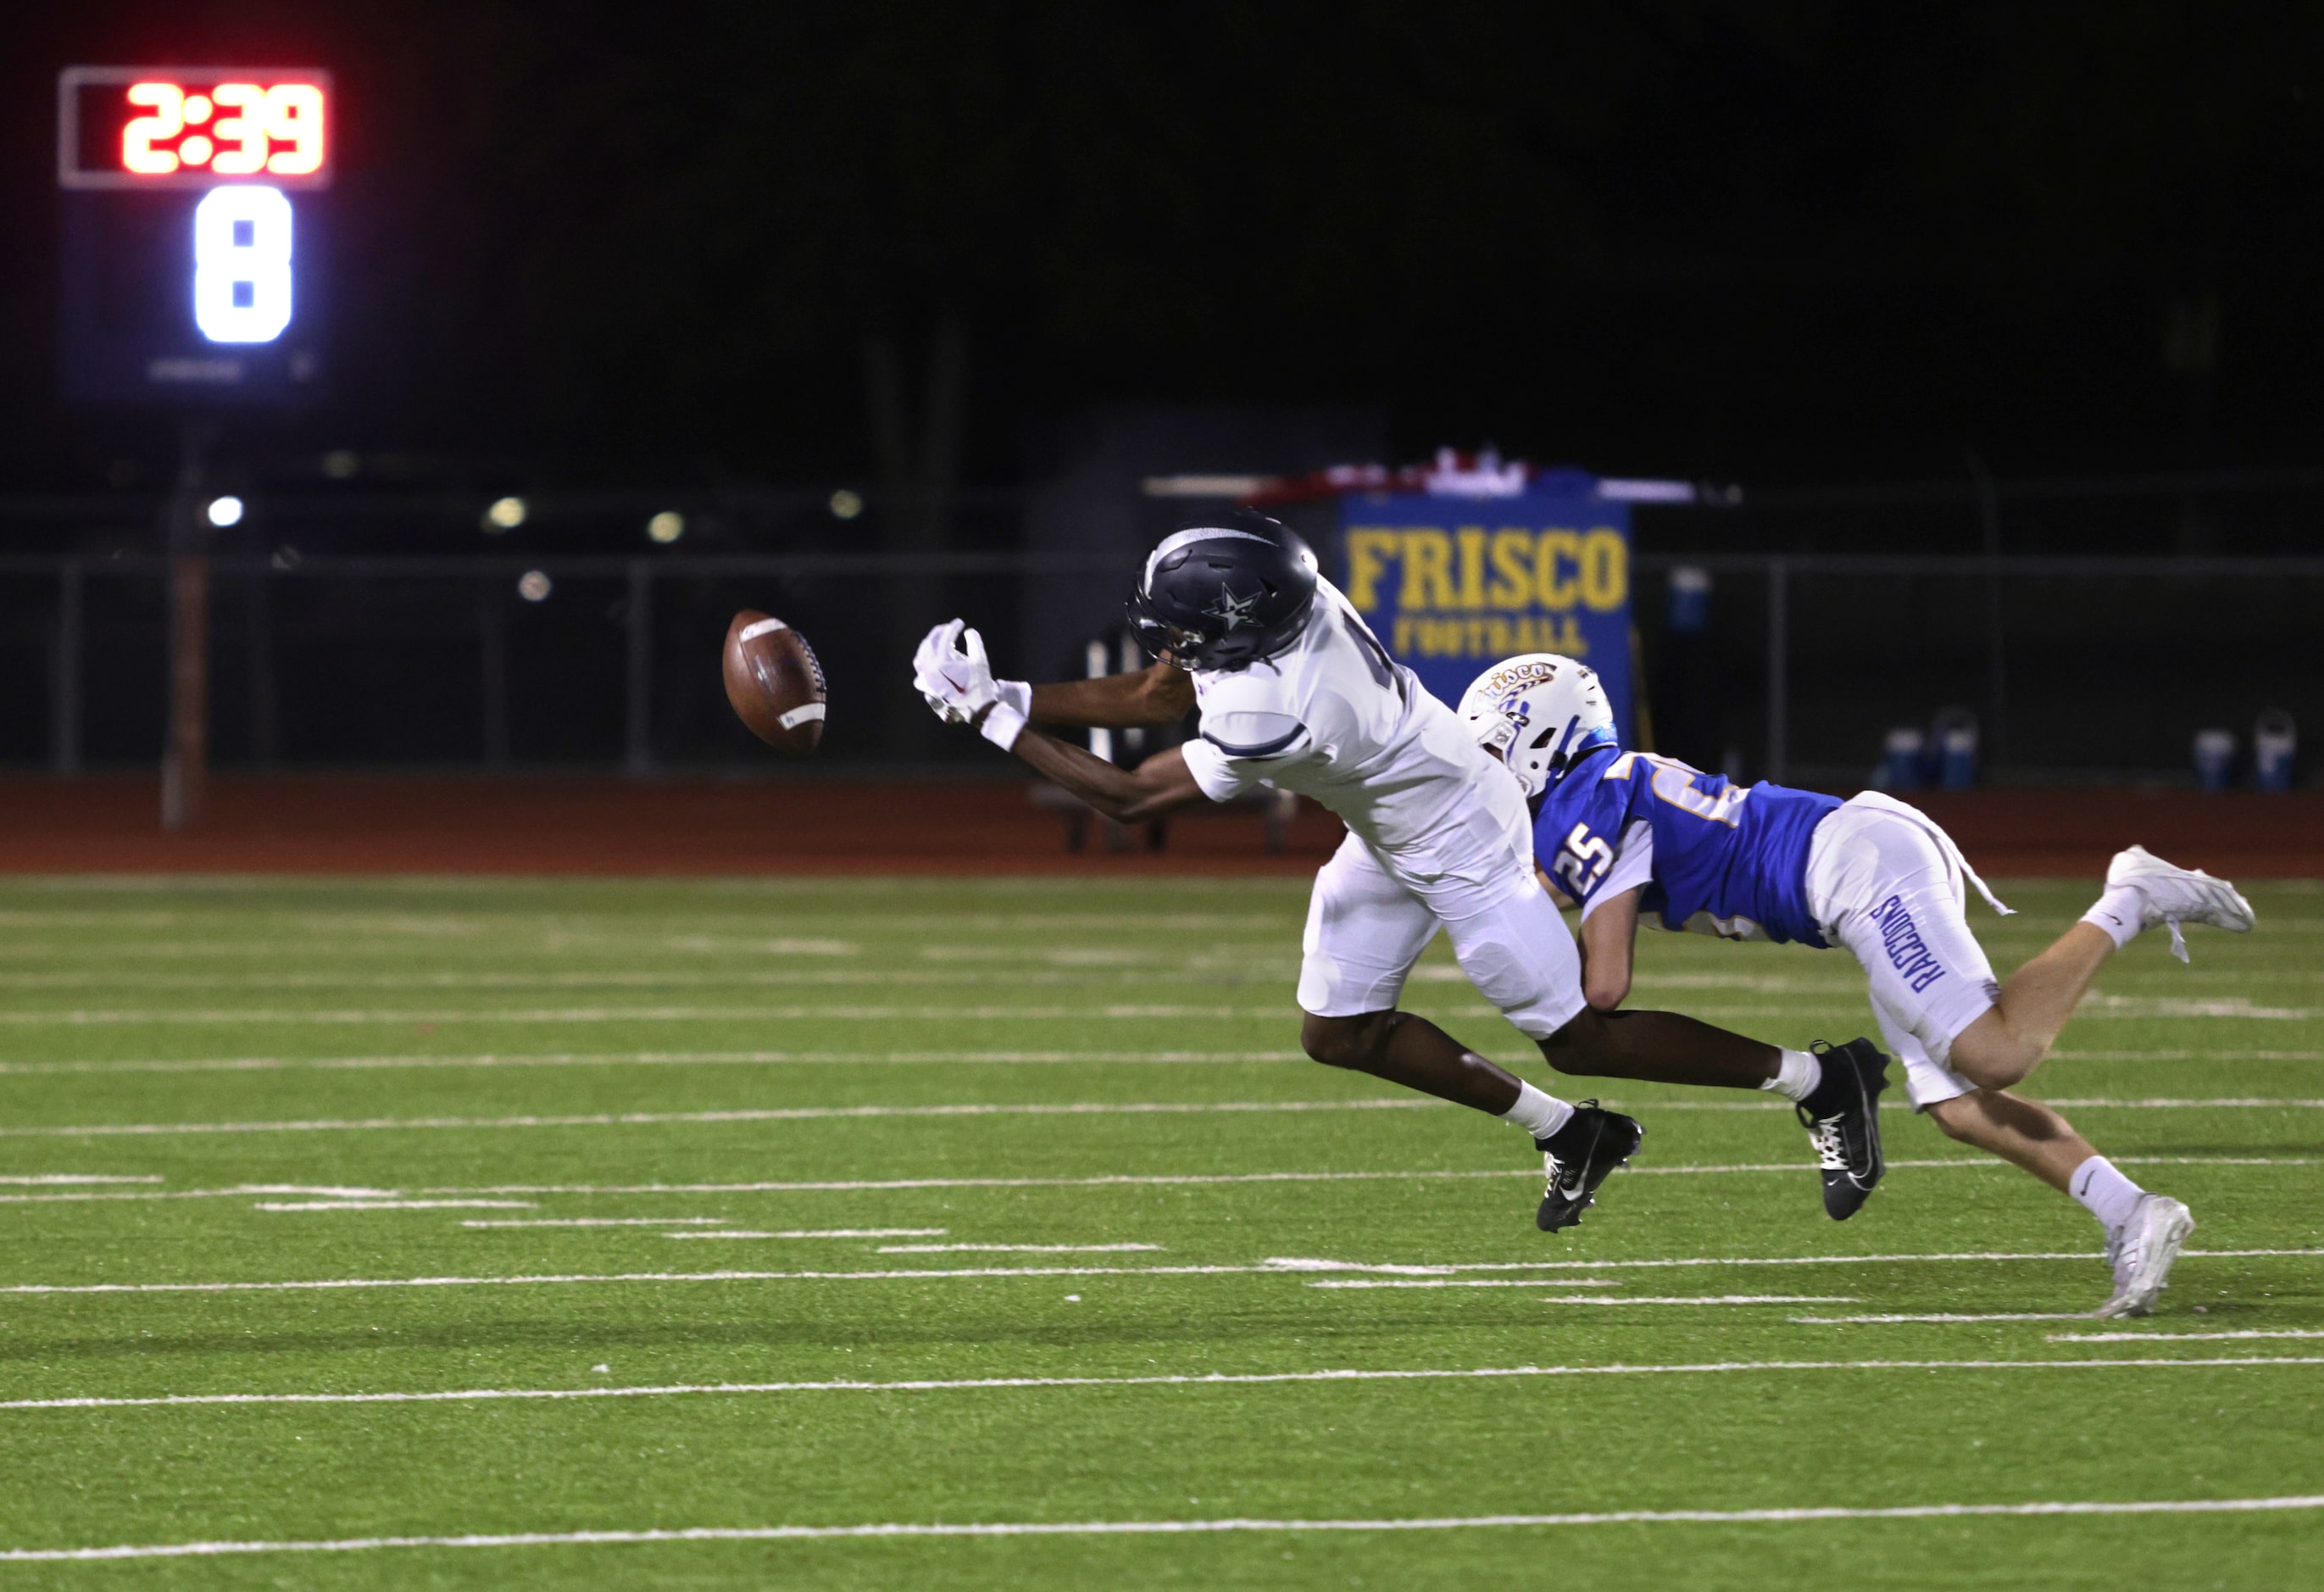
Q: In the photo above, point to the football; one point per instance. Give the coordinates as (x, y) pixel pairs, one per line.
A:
(774, 682)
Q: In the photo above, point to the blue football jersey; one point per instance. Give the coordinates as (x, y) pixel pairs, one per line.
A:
(1728, 859)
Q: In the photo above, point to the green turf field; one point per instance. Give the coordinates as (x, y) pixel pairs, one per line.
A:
(344, 1211)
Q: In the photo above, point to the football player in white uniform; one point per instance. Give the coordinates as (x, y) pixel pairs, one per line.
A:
(1634, 838)
(1295, 693)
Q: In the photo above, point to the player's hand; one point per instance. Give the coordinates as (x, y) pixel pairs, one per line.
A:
(953, 674)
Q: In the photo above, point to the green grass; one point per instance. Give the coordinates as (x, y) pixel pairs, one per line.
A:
(366, 1011)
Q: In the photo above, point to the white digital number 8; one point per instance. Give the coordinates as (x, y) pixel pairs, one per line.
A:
(242, 264)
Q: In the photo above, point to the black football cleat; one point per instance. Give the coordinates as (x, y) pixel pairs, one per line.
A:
(1578, 1157)
(1842, 1117)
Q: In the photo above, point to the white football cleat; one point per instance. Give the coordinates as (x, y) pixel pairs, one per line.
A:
(2175, 894)
(2142, 1252)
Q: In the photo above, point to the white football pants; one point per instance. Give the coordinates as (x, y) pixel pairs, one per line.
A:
(1366, 928)
(1883, 881)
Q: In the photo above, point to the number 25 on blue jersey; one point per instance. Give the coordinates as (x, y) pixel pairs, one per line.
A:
(1582, 862)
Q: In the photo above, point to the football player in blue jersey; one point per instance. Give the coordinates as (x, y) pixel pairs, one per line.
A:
(1634, 838)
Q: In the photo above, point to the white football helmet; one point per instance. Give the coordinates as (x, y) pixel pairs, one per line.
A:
(1537, 712)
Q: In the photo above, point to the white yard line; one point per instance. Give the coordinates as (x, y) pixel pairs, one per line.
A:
(1174, 1528)
(662, 1058)
(1723, 1298)
(1125, 1180)
(771, 1114)
(1895, 1320)
(606, 1222)
(1018, 1249)
(301, 1205)
(204, 1016)
(1276, 1266)
(45, 1178)
(1023, 1108)
(2174, 1336)
(1208, 1379)
(2203, 1055)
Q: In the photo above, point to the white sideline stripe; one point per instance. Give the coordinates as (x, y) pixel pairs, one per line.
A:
(395, 1205)
(1210, 1379)
(664, 1058)
(2174, 1336)
(1274, 1267)
(771, 1114)
(1101, 1528)
(606, 1222)
(759, 628)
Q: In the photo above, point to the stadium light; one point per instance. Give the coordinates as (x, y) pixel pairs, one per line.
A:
(666, 526)
(534, 586)
(846, 504)
(505, 515)
(224, 511)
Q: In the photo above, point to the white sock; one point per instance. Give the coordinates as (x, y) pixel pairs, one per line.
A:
(2104, 1192)
(2121, 912)
(1538, 1113)
(1797, 1079)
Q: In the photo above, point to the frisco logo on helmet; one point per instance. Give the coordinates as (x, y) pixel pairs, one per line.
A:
(1502, 706)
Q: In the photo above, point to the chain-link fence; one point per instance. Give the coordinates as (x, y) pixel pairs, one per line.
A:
(2074, 667)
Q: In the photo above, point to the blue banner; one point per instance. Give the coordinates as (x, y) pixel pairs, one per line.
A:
(1453, 585)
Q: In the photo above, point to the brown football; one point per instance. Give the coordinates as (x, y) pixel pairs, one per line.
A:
(774, 682)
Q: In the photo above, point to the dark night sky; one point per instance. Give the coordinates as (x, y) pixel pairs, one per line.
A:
(1756, 241)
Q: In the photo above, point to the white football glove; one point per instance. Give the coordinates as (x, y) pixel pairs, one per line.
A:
(954, 675)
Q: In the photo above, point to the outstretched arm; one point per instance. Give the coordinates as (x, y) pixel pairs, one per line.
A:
(1160, 784)
(1609, 935)
(1161, 693)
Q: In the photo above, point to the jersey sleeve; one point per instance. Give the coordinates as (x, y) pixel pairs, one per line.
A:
(1242, 744)
(1633, 865)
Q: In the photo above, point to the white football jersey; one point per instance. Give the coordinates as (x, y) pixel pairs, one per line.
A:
(1335, 718)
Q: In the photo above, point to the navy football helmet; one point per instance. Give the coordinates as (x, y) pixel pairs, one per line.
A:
(1224, 591)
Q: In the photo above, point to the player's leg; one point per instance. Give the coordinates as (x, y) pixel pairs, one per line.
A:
(2144, 1231)
(1365, 930)
(2008, 1042)
(1515, 949)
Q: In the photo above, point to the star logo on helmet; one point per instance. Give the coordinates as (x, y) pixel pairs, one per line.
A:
(1231, 610)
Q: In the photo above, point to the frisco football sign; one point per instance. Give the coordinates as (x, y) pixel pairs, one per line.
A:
(1453, 585)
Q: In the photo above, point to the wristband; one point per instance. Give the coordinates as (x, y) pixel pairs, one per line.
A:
(1017, 695)
(1001, 726)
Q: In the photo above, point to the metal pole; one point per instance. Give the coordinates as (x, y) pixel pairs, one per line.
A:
(64, 729)
(492, 635)
(265, 720)
(185, 761)
(1778, 666)
(639, 762)
(1996, 659)
(185, 751)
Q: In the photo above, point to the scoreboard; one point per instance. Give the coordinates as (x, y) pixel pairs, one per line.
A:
(193, 232)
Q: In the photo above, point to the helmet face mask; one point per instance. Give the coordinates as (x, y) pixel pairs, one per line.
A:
(1225, 592)
(1537, 713)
